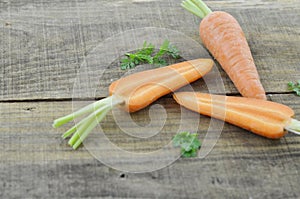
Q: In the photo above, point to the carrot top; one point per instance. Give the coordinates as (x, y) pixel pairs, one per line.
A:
(197, 7)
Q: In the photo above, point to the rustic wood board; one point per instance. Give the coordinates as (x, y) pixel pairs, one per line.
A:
(43, 44)
(42, 47)
(35, 162)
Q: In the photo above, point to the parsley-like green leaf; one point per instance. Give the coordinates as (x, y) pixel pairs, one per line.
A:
(160, 62)
(294, 87)
(188, 143)
(165, 49)
(162, 50)
(126, 63)
(147, 49)
(173, 51)
(144, 55)
(147, 55)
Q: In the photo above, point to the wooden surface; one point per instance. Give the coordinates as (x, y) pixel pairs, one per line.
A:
(42, 47)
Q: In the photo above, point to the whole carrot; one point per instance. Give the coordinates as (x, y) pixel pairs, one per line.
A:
(134, 92)
(224, 38)
(265, 118)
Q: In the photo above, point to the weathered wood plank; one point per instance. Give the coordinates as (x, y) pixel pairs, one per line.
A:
(35, 162)
(44, 43)
(42, 46)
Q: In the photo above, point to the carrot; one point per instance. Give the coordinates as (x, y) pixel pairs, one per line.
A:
(265, 118)
(224, 38)
(147, 86)
(134, 92)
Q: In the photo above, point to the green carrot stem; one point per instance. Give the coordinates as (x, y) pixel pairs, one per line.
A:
(86, 124)
(191, 7)
(86, 131)
(94, 123)
(80, 131)
(294, 126)
(83, 121)
(71, 130)
(87, 109)
(197, 7)
(202, 6)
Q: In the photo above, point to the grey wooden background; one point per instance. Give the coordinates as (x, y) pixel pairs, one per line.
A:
(42, 46)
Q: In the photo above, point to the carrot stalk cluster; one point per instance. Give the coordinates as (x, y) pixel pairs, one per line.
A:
(97, 111)
(197, 7)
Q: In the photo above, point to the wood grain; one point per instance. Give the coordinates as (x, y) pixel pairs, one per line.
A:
(43, 46)
(44, 43)
(35, 161)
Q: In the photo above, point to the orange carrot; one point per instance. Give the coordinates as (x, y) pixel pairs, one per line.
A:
(135, 92)
(224, 38)
(265, 118)
(141, 89)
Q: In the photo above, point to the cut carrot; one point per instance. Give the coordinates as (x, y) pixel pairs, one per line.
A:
(224, 38)
(265, 118)
(134, 92)
(141, 89)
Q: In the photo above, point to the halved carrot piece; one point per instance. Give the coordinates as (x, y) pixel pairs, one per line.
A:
(141, 89)
(265, 118)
